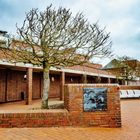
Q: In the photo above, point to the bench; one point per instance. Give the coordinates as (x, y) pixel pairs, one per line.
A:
(129, 94)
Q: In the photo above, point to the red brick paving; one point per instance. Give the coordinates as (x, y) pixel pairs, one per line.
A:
(21, 105)
(129, 131)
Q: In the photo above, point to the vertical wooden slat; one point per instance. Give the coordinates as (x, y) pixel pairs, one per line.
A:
(84, 78)
(41, 85)
(109, 81)
(6, 81)
(36, 86)
(2, 85)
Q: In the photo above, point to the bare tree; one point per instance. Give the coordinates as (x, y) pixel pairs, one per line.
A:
(55, 38)
(127, 68)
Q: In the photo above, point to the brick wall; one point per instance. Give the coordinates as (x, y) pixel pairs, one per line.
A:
(34, 118)
(73, 115)
(87, 68)
(74, 104)
(125, 87)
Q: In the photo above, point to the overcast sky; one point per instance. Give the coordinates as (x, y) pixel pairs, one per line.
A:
(121, 18)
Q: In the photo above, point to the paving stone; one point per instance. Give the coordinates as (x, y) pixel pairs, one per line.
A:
(130, 129)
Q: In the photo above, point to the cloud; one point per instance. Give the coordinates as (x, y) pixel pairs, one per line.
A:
(121, 18)
(120, 4)
(124, 51)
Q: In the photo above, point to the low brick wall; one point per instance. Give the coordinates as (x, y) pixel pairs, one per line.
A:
(73, 115)
(35, 118)
(127, 87)
(74, 104)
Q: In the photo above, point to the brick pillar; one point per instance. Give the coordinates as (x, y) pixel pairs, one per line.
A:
(84, 78)
(29, 85)
(62, 81)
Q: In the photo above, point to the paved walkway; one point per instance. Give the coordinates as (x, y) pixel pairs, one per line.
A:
(129, 131)
(21, 105)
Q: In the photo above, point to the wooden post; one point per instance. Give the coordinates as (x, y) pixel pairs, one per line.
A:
(29, 85)
(84, 78)
(109, 81)
(98, 79)
(62, 81)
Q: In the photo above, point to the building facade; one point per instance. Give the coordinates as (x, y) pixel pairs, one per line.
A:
(19, 81)
(128, 70)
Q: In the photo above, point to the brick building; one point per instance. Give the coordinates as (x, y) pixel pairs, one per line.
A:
(18, 80)
(128, 70)
(15, 78)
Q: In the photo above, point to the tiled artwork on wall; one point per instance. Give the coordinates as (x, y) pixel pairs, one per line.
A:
(95, 99)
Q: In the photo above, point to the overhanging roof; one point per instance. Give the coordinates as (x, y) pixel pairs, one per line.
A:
(22, 65)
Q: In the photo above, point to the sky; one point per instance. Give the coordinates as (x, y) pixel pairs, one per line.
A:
(120, 17)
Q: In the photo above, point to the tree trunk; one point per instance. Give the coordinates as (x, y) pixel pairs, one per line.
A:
(46, 87)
